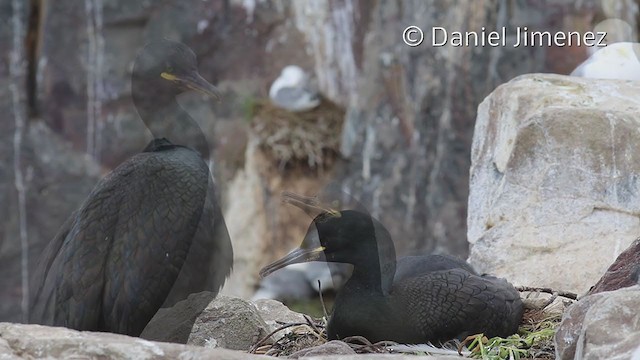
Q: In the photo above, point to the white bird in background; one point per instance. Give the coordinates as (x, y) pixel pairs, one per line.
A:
(616, 61)
(300, 281)
(291, 90)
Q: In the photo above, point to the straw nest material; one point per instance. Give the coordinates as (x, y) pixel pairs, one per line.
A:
(310, 138)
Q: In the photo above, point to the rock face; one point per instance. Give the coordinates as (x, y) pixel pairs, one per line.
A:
(410, 111)
(554, 185)
(601, 326)
(26, 156)
(624, 272)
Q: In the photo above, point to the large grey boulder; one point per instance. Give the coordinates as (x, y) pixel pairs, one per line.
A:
(174, 324)
(228, 322)
(274, 313)
(554, 186)
(605, 325)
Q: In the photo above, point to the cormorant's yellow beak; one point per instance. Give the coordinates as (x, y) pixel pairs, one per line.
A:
(194, 82)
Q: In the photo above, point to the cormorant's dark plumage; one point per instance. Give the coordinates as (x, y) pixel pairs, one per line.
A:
(432, 298)
(151, 231)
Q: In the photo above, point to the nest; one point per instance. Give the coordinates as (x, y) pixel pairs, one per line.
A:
(310, 138)
(300, 336)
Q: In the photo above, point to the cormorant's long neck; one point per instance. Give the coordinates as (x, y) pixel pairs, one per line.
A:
(375, 264)
(165, 118)
(366, 278)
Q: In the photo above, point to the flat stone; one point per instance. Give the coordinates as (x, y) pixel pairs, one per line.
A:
(19, 341)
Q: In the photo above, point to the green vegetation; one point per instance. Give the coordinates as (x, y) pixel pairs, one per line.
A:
(533, 341)
(249, 105)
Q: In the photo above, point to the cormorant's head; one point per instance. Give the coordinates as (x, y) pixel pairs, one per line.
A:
(347, 236)
(169, 66)
(341, 234)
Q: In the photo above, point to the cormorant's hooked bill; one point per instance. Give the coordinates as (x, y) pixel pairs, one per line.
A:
(297, 256)
(193, 81)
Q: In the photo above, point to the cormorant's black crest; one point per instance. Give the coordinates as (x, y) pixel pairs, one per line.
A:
(165, 68)
(165, 56)
(341, 233)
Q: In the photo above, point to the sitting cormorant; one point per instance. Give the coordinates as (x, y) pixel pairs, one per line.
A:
(151, 231)
(432, 298)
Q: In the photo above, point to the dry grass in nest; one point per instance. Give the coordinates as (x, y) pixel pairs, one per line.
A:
(310, 138)
(300, 336)
(295, 341)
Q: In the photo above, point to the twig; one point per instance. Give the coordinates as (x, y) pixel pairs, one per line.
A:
(259, 343)
(386, 343)
(317, 332)
(361, 339)
(553, 298)
(324, 309)
(365, 344)
(262, 350)
(565, 294)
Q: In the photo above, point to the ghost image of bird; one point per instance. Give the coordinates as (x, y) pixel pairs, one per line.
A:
(301, 281)
(151, 231)
(292, 91)
(616, 61)
(413, 300)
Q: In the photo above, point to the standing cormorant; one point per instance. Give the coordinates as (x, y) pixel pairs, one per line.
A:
(151, 231)
(432, 298)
